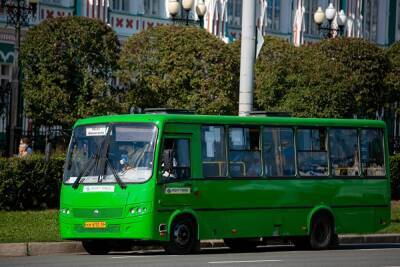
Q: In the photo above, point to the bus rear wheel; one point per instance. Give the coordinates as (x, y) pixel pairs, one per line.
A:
(183, 238)
(241, 244)
(96, 247)
(322, 232)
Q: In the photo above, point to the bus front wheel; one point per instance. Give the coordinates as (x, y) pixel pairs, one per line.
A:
(183, 238)
(322, 232)
(96, 247)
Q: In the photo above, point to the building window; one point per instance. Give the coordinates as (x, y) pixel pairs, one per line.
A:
(235, 13)
(310, 7)
(152, 7)
(371, 19)
(273, 15)
(120, 5)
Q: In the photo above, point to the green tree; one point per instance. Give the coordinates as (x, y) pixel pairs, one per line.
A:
(392, 79)
(302, 81)
(180, 67)
(67, 63)
(366, 66)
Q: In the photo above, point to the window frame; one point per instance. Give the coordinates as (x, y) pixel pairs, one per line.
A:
(328, 175)
(226, 144)
(257, 126)
(385, 159)
(360, 172)
(175, 136)
(294, 150)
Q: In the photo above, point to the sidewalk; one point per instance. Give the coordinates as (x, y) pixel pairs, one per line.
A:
(46, 248)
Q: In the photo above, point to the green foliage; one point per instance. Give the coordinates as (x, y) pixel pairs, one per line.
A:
(392, 79)
(303, 81)
(67, 63)
(395, 176)
(180, 67)
(30, 183)
(366, 66)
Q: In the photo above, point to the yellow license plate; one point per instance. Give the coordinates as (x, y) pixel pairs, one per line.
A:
(95, 224)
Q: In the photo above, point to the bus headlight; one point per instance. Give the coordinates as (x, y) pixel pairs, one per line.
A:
(65, 211)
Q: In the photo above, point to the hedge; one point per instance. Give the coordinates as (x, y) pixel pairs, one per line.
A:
(34, 183)
(30, 183)
(395, 176)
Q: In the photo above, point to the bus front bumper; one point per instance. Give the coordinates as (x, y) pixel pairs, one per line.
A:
(138, 227)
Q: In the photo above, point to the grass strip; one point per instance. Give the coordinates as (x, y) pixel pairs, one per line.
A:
(29, 226)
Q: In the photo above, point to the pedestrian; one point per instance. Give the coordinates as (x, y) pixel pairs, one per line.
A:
(24, 149)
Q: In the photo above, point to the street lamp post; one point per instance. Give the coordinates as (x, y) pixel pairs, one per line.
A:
(326, 28)
(174, 7)
(19, 13)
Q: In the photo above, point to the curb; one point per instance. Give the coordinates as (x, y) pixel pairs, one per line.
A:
(46, 248)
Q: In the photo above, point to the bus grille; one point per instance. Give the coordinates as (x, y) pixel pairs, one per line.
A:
(112, 228)
(103, 213)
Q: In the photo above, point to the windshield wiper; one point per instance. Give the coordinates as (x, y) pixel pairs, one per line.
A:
(88, 166)
(105, 161)
(117, 178)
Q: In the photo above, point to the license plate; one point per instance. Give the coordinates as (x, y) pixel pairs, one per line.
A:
(95, 224)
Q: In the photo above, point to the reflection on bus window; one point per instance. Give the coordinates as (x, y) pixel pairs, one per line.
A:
(244, 152)
(372, 152)
(213, 151)
(312, 152)
(343, 145)
(278, 151)
(180, 158)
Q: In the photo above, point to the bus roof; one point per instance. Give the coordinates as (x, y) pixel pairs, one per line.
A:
(232, 120)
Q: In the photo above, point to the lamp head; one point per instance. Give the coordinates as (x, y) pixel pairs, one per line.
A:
(319, 16)
(330, 12)
(173, 7)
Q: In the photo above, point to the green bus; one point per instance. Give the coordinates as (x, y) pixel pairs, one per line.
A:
(176, 179)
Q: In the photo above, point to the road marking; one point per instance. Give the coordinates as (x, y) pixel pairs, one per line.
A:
(132, 256)
(249, 261)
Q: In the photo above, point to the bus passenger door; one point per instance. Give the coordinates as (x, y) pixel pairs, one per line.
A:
(176, 171)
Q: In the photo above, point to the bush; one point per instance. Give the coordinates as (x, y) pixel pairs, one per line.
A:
(180, 67)
(30, 183)
(395, 176)
(303, 81)
(67, 63)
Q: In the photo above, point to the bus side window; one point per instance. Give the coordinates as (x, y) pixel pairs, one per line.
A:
(180, 151)
(372, 152)
(244, 152)
(312, 154)
(278, 151)
(213, 151)
(344, 157)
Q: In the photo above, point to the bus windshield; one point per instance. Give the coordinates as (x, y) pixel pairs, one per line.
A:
(99, 153)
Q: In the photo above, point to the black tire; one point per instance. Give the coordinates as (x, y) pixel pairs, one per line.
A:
(96, 247)
(322, 232)
(183, 238)
(241, 244)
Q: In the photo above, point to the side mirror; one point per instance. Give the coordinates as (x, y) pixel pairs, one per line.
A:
(167, 162)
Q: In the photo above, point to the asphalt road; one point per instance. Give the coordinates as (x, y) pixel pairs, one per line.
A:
(346, 255)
